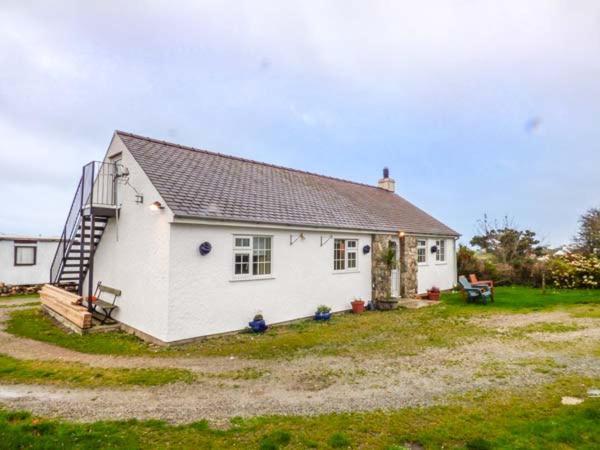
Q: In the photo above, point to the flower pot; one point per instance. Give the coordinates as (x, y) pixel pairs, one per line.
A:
(258, 326)
(432, 295)
(358, 306)
(323, 316)
(386, 305)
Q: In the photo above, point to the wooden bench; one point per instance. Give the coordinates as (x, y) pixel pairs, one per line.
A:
(103, 307)
(66, 305)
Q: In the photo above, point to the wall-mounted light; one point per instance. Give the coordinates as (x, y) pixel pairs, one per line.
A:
(156, 206)
(401, 234)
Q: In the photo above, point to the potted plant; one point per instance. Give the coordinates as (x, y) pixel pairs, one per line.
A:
(386, 304)
(323, 313)
(358, 306)
(258, 324)
(433, 293)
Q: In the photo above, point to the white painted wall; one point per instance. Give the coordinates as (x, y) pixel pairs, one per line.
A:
(433, 273)
(37, 274)
(137, 261)
(204, 300)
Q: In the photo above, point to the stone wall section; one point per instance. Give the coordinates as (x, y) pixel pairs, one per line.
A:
(380, 271)
(408, 266)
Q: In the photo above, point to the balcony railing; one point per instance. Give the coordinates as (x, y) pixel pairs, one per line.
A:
(96, 189)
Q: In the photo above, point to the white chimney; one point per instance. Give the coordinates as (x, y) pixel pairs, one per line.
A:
(386, 182)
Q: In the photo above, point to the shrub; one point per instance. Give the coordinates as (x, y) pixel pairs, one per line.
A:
(574, 271)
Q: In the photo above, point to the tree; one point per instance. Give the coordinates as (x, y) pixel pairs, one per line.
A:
(587, 240)
(507, 243)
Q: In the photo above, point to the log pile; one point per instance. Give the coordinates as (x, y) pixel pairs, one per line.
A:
(67, 305)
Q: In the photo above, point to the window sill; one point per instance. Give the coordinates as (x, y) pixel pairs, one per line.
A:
(253, 278)
(340, 272)
(423, 264)
(442, 263)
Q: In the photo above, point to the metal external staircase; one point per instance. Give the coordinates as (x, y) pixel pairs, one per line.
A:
(94, 203)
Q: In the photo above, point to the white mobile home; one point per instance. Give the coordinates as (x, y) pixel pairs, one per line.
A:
(25, 260)
(198, 242)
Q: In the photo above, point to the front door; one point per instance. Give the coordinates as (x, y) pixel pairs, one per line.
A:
(395, 272)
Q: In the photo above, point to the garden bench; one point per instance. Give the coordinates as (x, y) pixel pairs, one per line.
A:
(482, 292)
(101, 306)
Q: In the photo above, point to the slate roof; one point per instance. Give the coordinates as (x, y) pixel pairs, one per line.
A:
(201, 184)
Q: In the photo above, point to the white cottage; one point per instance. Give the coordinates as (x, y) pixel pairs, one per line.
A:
(199, 242)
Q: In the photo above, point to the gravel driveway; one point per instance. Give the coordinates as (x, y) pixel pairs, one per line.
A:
(310, 385)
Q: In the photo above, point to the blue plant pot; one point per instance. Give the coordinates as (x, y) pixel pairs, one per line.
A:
(258, 326)
(323, 316)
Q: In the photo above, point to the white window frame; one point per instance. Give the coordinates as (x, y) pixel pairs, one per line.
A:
(424, 248)
(440, 254)
(249, 250)
(348, 250)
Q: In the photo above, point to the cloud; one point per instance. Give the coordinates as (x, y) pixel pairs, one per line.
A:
(341, 87)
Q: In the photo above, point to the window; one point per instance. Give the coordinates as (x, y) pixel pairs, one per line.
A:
(421, 251)
(440, 254)
(345, 254)
(25, 253)
(251, 256)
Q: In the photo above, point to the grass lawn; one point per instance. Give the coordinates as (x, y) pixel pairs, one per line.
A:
(399, 332)
(528, 419)
(79, 375)
(33, 297)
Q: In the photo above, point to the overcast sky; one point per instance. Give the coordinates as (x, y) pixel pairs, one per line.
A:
(475, 106)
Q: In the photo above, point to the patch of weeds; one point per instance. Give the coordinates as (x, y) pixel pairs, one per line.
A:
(339, 440)
(79, 375)
(479, 444)
(247, 373)
(588, 311)
(275, 440)
(541, 365)
(494, 369)
(318, 380)
(546, 327)
(21, 305)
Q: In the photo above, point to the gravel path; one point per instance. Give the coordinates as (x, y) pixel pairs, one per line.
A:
(310, 385)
